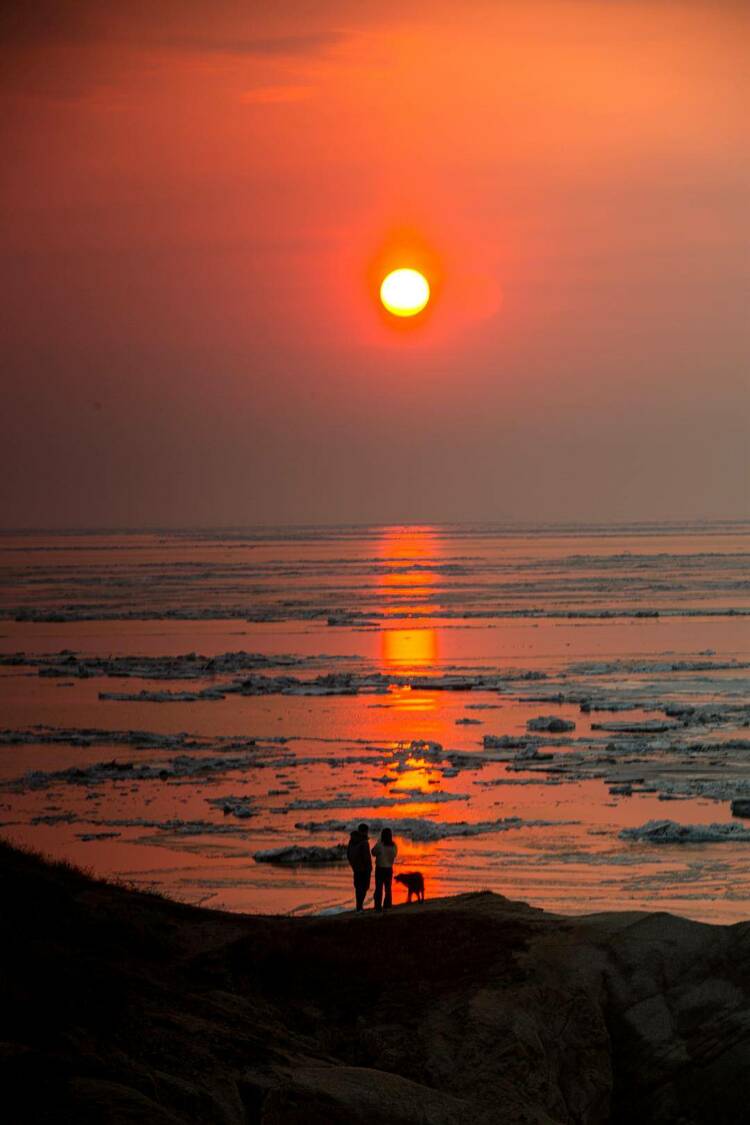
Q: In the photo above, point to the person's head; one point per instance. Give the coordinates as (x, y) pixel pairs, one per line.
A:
(386, 836)
(363, 829)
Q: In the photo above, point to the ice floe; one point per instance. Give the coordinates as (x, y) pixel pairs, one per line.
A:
(296, 855)
(552, 723)
(240, 807)
(330, 683)
(352, 801)
(146, 696)
(434, 797)
(282, 612)
(172, 826)
(670, 832)
(188, 666)
(647, 726)
(648, 667)
(180, 767)
(426, 831)
(97, 736)
(507, 742)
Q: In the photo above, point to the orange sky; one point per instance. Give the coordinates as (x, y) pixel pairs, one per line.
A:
(198, 201)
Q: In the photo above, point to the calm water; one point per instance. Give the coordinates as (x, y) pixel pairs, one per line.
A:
(175, 702)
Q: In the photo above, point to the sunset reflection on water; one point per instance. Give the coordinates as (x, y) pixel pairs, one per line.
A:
(408, 585)
(407, 554)
(318, 763)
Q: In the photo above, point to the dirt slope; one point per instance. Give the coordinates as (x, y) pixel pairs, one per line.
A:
(123, 1007)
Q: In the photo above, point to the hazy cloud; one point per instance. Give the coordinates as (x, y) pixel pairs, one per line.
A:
(277, 46)
(44, 23)
(273, 95)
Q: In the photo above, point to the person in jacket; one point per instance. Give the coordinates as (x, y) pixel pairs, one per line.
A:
(385, 852)
(358, 854)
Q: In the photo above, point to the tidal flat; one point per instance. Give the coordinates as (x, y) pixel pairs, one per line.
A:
(557, 714)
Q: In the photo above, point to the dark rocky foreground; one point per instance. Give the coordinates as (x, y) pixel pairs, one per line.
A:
(122, 1007)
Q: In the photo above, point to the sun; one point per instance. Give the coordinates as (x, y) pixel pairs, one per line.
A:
(405, 292)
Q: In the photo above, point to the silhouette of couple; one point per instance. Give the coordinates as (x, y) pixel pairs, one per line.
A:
(360, 860)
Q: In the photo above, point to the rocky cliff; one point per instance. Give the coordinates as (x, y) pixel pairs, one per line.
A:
(122, 1007)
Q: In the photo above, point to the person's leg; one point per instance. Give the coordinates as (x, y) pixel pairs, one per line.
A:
(378, 888)
(387, 882)
(362, 884)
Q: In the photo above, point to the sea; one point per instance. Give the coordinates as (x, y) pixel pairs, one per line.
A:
(559, 714)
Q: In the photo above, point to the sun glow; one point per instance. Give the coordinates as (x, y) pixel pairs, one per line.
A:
(405, 292)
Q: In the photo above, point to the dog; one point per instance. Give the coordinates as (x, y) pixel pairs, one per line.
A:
(414, 883)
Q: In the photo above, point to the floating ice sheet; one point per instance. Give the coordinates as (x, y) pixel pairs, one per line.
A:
(423, 831)
(670, 832)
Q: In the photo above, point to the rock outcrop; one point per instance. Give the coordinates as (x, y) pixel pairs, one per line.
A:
(119, 1006)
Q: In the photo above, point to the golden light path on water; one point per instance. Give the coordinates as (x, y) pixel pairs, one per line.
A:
(408, 553)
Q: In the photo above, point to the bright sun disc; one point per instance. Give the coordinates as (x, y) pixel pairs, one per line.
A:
(405, 292)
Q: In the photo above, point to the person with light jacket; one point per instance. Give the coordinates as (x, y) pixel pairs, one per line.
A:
(385, 852)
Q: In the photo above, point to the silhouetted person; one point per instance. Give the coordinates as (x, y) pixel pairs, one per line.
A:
(358, 854)
(385, 852)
